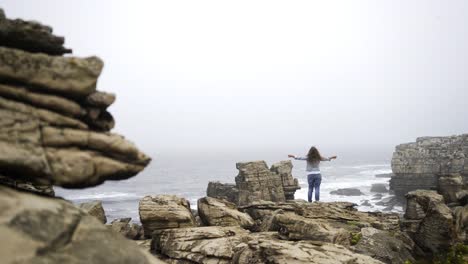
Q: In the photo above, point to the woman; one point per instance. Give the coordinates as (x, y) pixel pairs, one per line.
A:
(314, 178)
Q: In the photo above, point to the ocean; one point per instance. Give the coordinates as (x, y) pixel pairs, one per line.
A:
(188, 176)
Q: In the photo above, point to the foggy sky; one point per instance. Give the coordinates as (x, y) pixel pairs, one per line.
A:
(218, 75)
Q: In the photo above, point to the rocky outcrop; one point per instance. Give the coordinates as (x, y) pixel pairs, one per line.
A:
(30, 36)
(290, 184)
(54, 126)
(46, 230)
(421, 165)
(379, 188)
(449, 186)
(127, 229)
(429, 221)
(54, 130)
(95, 209)
(163, 212)
(215, 212)
(388, 247)
(255, 182)
(225, 191)
(235, 245)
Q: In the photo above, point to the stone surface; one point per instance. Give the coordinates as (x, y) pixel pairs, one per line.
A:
(127, 229)
(419, 165)
(418, 203)
(449, 186)
(256, 182)
(70, 76)
(462, 197)
(436, 231)
(163, 212)
(46, 230)
(460, 215)
(290, 184)
(379, 188)
(265, 249)
(95, 209)
(30, 36)
(215, 212)
(385, 246)
(347, 192)
(226, 191)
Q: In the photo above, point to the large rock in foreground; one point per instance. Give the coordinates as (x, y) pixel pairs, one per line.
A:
(163, 212)
(215, 212)
(45, 230)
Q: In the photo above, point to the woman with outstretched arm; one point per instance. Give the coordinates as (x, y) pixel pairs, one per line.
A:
(314, 177)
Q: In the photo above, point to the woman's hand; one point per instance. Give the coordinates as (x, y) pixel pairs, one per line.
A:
(333, 157)
(291, 156)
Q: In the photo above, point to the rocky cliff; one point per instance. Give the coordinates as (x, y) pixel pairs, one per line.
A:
(55, 130)
(434, 163)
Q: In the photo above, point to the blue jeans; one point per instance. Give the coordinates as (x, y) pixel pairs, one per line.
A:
(314, 181)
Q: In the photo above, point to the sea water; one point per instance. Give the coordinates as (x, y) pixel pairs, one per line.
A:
(188, 176)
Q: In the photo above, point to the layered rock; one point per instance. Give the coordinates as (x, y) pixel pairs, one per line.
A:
(429, 221)
(45, 230)
(30, 36)
(95, 209)
(255, 182)
(421, 165)
(164, 211)
(53, 123)
(290, 184)
(215, 212)
(235, 245)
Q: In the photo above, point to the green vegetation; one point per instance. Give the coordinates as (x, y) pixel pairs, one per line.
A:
(457, 254)
(355, 237)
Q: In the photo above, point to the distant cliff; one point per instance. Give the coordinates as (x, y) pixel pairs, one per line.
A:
(437, 163)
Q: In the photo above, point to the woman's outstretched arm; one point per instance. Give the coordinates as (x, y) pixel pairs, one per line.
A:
(328, 159)
(297, 158)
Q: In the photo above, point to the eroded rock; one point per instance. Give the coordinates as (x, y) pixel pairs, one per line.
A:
(95, 209)
(215, 212)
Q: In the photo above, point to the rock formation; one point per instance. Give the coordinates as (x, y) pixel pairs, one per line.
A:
(255, 182)
(163, 212)
(95, 209)
(215, 212)
(54, 130)
(431, 163)
(127, 229)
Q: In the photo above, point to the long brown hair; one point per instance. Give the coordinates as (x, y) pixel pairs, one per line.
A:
(314, 155)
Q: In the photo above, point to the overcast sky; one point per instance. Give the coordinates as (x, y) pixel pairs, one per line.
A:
(219, 75)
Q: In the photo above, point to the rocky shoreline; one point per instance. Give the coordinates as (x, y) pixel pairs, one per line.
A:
(56, 132)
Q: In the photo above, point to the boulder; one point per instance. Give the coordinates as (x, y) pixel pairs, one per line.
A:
(295, 227)
(379, 188)
(385, 246)
(163, 212)
(46, 230)
(212, 244)
(256, 182)
(215, 212)
(462, 197)
(436, 232)
(417, 203)
(226, 191)
(347, 192)
(127, 229)
(95, 209)
(290, 184)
